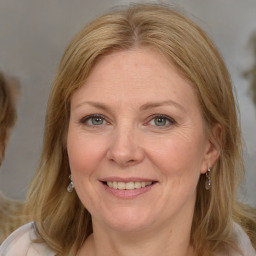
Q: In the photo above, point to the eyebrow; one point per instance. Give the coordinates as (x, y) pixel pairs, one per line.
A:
(144, 107)
(161, 103)
(94, 104)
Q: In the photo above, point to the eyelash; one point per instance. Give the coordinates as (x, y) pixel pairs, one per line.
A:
(152, 118)
(165, 117)
(87, 118)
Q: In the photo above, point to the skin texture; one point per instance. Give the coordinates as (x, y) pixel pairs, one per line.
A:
(130, 140)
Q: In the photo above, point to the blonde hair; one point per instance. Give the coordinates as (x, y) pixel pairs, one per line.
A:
(61, 219)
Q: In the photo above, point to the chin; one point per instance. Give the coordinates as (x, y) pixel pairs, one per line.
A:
(129, 221)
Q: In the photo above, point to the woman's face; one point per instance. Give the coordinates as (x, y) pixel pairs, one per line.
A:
(136, 142)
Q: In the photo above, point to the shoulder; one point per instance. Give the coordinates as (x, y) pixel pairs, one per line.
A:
(19, 243)
(243, 241)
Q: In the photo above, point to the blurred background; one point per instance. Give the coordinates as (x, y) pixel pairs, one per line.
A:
(34, 34)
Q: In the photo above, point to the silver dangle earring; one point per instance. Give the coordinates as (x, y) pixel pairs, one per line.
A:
(208, 182)
(70, 187)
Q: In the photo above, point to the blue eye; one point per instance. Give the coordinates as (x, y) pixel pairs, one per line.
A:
(94, 120)
(161, 121)
(97, 120)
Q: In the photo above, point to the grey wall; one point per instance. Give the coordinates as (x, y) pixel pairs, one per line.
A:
(34, 34)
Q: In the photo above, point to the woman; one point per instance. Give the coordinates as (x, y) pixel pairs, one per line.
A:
(142, 147)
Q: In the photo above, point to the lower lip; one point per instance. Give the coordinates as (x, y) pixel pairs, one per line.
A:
(128, 193)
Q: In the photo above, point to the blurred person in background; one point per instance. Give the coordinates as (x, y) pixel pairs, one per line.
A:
(11, 211)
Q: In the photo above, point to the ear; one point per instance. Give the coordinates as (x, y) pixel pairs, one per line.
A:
(213, 148)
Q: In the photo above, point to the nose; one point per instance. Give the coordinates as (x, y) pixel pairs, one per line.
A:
(125, 149)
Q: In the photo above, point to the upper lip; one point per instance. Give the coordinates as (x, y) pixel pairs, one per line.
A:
(127, 179)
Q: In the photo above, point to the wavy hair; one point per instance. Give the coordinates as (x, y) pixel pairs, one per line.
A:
(61, 219)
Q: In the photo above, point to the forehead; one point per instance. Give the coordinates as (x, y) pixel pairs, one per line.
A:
(135, 75)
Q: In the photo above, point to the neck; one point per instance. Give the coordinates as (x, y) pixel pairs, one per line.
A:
(164, 242)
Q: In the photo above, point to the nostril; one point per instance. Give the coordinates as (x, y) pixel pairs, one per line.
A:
(125, 154)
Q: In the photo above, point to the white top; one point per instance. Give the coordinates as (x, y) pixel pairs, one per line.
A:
(19, 243)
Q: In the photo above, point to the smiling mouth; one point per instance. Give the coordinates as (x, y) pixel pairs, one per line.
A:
(120, 185)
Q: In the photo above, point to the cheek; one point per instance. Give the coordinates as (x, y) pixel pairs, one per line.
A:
(177, 155)
(84, 153)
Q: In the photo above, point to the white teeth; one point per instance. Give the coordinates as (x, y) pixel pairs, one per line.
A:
(128, 185)
(137, 184)
(120, 185)
(110, 184)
